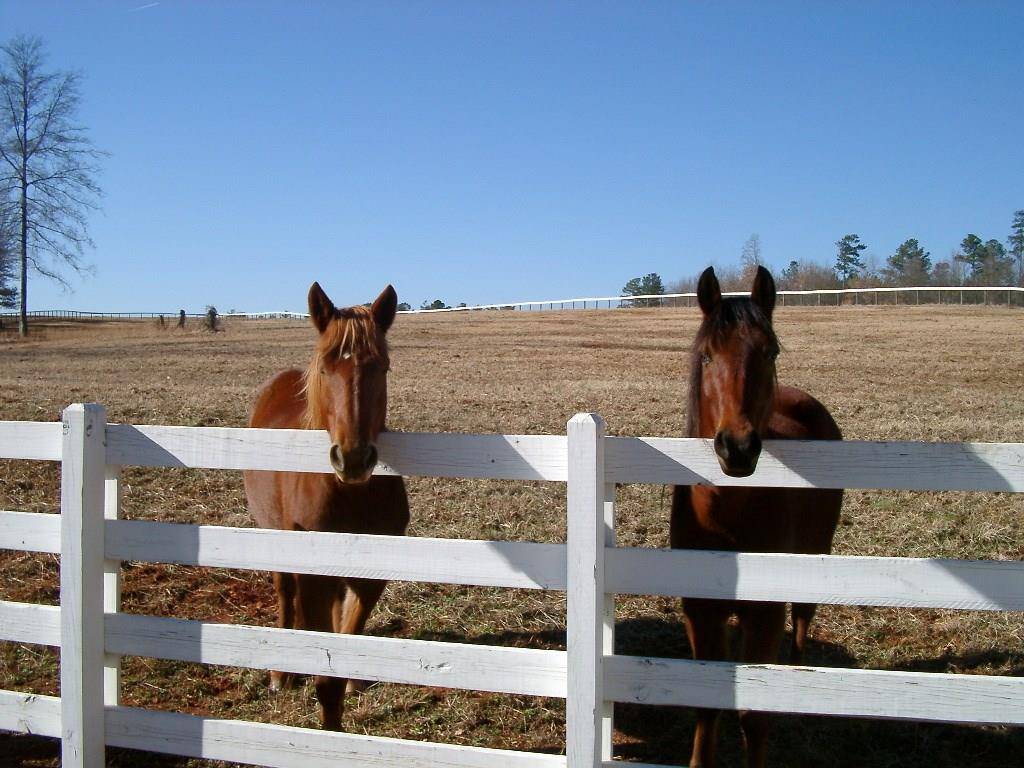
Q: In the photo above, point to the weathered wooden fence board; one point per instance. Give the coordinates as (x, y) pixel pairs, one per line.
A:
(30, 532)
(287, 747)
(416, 662)
(987, 585)
(820, 464)
(501, 457)
(926, 696)
(40, 440)
(81, 586)
(526, 565)
(589, 567)
(30, 713)
(30, 623)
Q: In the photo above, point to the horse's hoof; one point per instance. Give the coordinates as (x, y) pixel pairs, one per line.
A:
(331, 725)
(280, 681)
(356, 686)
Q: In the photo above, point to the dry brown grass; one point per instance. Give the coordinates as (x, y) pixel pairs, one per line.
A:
(929, 373)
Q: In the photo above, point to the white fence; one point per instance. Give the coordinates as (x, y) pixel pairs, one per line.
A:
(836, 296)
(1011, 296)
(92, 634)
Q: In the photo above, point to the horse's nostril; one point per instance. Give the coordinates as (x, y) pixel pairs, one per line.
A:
(337, 459)
(371, 456)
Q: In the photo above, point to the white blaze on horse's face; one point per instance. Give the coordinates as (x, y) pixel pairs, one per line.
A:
(357, 392)
(347, 391)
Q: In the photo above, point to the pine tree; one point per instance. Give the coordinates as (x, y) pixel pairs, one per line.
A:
(909, 265)
(848, 262)
(1016, 243)
(648, 285)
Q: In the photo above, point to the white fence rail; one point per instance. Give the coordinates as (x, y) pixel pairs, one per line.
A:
(1008, 295)
(823, 296)
(92, 634)
(912, 295)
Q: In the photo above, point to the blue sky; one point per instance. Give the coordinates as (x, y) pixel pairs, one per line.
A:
(486, 152)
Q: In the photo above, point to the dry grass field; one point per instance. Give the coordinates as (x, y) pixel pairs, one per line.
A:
(912, 373)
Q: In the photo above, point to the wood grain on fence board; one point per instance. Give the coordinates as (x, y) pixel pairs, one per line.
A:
(500, 457)
(30, 623)
(669, 461)
(30, 713)
(81, 586)
(39, 440)
(925, 696)
(525, 671)
(30, 531)
(288, 747)
(112, 585)
(988, 585)
(823, 464)
(525, 565)
(585, 710)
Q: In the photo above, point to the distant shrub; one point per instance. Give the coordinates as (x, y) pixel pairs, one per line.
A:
(210, 320)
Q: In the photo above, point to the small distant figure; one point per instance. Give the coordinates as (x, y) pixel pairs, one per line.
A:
(181, 319)
(162, 322)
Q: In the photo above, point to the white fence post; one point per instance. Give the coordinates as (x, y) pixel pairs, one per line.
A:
(112, 586)
(83, 462)
(587, 714)
(608, 628)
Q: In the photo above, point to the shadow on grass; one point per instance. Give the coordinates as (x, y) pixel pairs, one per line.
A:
(24, 751)
(664, 734)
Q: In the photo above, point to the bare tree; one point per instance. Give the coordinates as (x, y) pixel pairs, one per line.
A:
(750, 257)
(8, 294)
(47, 165)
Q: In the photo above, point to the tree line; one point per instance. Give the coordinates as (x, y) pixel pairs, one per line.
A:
(977, 262)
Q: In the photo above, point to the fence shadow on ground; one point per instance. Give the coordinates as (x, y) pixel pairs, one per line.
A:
(664, 734)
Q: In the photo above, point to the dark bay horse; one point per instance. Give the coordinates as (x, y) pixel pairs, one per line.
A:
(344, 391)
(735, 399)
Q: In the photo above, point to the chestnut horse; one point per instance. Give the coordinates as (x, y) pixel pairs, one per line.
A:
(735, 399)
(344, 391)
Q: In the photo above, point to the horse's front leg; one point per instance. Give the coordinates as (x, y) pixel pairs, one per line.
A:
(352, 611)
(706, 626)
(284, 585)
(763, 625)
(314, 603)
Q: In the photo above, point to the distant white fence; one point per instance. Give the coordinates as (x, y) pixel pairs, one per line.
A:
(92, 634)
(912, 295)
(1010, 296)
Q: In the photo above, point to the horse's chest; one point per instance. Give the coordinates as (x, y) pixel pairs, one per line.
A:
(371, 508)
(750, 520)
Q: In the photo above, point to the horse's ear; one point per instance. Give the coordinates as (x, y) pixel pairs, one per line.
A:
(384, 308)
(321, 308)
(763, 292)
(709, 294)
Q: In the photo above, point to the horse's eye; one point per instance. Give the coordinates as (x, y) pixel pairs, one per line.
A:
(706, 358)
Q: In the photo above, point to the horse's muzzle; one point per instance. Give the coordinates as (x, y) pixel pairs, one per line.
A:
(356, 465)
(738, 455)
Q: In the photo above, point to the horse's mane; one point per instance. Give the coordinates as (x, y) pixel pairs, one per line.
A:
(732, 312)
(353, 331)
